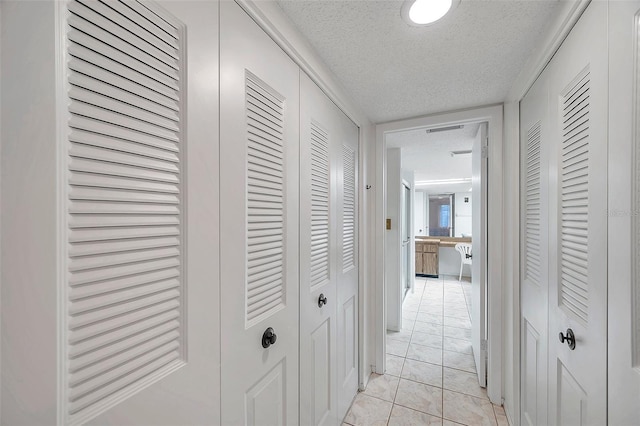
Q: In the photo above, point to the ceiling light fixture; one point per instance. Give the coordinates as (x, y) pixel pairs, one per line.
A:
(445, 129)
(425, 12)
(443, 181)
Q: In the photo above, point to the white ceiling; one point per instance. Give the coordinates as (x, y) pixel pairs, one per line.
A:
(396, 71)
(429, 156)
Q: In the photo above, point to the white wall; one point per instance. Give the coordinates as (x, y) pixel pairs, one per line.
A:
(449, 263)
(393, 240)
(419, 213)
(463, 214)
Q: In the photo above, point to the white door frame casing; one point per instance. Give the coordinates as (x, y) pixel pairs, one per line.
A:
(493, 116)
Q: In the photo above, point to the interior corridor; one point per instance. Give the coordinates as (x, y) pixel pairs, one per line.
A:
(431, 376)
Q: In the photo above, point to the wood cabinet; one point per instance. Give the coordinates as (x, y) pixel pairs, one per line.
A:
(427, 257)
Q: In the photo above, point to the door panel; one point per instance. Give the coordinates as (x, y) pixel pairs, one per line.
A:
(347, 263)
(578, 221)
(624, 214)
(318, 224)
(143, 288)
(534, 253)
(259, 147)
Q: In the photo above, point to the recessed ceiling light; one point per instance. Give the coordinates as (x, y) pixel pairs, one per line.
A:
(425, 12)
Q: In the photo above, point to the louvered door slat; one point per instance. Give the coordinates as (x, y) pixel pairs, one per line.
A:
(103, 17)
(348, 208)
(574, 288)
(319, 191)
(95, 289)
(117, 83)
(125, 209)
(265, 199)
(165, 75)
(82, 53)
(150, 317)
(104, 102)
(141, 36)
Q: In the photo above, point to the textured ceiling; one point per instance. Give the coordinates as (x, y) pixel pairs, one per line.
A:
(429, 155)
(396, 71)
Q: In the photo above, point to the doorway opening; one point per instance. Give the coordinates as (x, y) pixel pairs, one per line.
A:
(446, 301)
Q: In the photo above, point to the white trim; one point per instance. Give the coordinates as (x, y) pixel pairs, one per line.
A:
(61, 14)
(566, 18)
(492, 115)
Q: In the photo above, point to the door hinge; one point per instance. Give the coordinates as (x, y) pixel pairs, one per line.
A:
(485, 152)
(483, 345)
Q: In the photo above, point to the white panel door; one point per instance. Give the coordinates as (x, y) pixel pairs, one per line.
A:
(141, 296)
(137, 297)
(534, 240)
(578, 112)
(259, 151)
(319, 131)
(624, 214)
(346, 158)
(479, 251)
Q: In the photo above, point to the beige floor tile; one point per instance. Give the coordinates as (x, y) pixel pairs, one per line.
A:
(402, 335)
(425, 353)
(426, 339)
(457, 322)
(424, 398)
(457, 313)
(394, 365)
(396, 347)
(429, 328)
(446, 422)
(409, 315)
(407, 325)
(459, 361)
(368, 411)
(382, 386)
(430, 318)
(501, 416)
(457, 345)
(467, 409)
(463, 382)
(423, 372)
(457, 333)
(402, 416)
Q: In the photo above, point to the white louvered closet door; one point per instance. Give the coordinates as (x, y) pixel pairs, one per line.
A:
(346, 158)
(534, 253)
(259, 148)
(578, 81)
(136, 349)
(319, 132)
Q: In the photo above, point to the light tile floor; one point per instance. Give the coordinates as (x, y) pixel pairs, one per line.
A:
(431, 375)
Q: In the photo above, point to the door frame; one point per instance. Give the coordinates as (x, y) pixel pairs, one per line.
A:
(493, 116)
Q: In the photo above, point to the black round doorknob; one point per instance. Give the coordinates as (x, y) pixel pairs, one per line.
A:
(322, 300)
(570, 338)
(268, 337)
